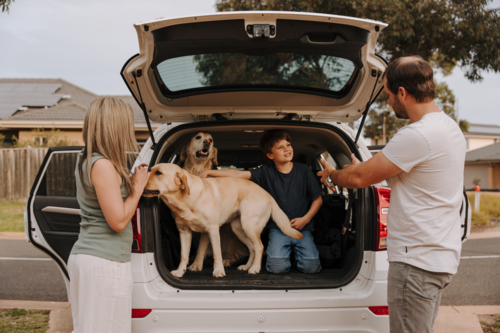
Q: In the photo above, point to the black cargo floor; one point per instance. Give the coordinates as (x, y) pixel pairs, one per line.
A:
(293, 279)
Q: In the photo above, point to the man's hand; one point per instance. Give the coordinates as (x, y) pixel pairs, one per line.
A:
(354, 161)
(299, 223)
(326, 173)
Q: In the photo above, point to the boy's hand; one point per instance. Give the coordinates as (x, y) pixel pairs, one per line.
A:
(299, 223)
(204, 174)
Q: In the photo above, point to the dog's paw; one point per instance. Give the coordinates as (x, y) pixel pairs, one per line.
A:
(226, 263)
(254, 270)
(178, 272)
(219, 272)
(194, 267)
(243, 267)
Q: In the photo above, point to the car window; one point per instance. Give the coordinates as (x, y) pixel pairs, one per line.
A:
(316, 71)
(60, 175)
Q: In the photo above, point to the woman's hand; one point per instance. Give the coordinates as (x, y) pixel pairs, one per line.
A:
(140, 178)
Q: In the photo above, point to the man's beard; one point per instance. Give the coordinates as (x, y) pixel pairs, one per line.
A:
(399, 109)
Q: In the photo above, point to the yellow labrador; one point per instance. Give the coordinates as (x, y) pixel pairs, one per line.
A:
(198, 155)
(204, 205)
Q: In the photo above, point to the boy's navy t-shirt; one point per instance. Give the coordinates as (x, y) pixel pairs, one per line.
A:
(293, 191)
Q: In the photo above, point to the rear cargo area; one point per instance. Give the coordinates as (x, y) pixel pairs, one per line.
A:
(237, 145)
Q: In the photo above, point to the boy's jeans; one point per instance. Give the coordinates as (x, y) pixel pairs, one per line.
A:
(280, 246)
(414, 295)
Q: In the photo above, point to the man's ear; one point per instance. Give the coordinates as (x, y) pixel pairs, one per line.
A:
(402, 93)
(270, 156)
(181, 180)
(214, 157)
(184, 152)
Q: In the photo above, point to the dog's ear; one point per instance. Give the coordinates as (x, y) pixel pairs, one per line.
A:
(181, 180)
(214, 157)
(184, 152)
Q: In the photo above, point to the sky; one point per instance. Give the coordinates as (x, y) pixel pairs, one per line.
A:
(88, 42)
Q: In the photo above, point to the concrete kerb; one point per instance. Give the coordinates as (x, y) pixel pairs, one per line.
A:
(60, 320)
(462, 319)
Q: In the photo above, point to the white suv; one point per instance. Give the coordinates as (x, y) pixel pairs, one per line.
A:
(235, 75)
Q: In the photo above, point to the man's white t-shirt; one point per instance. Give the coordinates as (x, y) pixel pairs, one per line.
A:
(424, 225)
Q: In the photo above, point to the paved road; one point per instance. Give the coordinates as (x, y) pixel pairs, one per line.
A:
(478, 279)
(476, 283)
(30, 280)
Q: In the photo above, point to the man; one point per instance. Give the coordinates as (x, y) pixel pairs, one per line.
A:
(425, 161)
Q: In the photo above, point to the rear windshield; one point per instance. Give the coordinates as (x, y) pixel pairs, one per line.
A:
(285, 70)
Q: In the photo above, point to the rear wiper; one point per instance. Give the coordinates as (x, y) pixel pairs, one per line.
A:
(368, 104)
(143, 107)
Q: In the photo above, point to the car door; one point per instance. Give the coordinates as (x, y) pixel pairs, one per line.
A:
(52, 215)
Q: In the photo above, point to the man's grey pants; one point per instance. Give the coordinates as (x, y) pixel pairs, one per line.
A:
(414, 296)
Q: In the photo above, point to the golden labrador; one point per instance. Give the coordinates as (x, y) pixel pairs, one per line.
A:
(198, 155)
(204, 205)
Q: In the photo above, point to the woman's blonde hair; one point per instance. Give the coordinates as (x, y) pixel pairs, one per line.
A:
(108, 129)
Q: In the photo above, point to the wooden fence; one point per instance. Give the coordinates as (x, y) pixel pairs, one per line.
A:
(18, 170)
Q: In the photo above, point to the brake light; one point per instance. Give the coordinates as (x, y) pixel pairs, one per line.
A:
(383, 196)
(136, 228)
(379, 310)
(140, 313)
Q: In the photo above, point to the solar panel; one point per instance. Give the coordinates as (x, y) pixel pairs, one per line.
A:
(29, 100)
(29, 88)
(7, 110)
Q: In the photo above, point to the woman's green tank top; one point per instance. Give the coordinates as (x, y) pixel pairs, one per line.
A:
(96, 236)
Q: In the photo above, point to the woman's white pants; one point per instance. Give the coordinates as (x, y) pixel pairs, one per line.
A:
(100, 294)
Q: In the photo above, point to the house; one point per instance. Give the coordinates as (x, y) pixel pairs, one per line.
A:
(480, 135)
(483, 164)
(28, 104)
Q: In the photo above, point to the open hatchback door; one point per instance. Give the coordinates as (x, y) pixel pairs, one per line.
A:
(244, 65)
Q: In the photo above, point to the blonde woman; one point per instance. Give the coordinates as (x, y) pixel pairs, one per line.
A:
(99, 263)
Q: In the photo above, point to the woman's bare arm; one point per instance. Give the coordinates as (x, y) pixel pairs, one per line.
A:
(107, 183)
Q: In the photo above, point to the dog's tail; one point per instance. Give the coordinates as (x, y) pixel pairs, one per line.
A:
(283, 222)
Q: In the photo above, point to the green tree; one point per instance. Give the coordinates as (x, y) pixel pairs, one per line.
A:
(446, 33)
(374, 128)
(5, 4)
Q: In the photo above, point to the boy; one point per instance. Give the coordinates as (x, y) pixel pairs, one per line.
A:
(298, 194)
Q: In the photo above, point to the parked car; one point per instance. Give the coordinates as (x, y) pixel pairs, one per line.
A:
(235, 75)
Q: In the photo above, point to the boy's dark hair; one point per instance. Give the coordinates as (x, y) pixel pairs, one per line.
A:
(412, 73)
(269, 138)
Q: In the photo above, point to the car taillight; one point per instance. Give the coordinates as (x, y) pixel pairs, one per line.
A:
(383, 196)
(140, 313)
(136, 228)
(379, 310)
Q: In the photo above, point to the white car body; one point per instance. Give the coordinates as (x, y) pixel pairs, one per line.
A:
(341, 309)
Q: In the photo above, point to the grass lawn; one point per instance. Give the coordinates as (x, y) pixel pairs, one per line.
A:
(490, 323)
(11, 216)
(25, 321)
(489, 208)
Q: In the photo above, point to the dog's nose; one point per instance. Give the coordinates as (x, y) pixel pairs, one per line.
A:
(207, 142)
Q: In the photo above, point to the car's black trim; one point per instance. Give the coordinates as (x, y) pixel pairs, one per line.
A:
(362, 213)
(125, 79)
(39, 175)
(466, 222)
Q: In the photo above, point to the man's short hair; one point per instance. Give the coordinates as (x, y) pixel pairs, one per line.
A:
(269, 138)
(412, 73)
